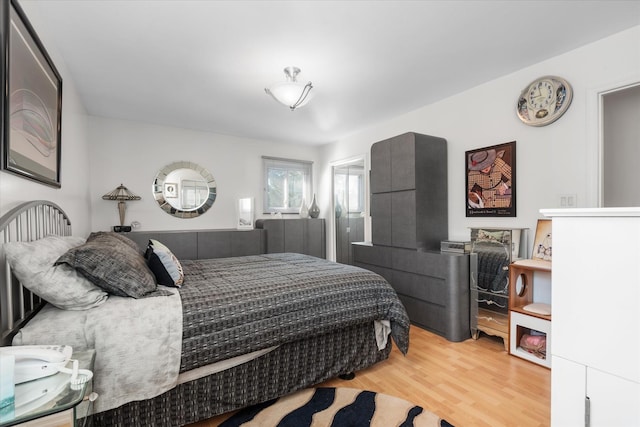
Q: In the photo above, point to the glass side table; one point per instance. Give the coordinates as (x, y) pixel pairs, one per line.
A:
(59, 405)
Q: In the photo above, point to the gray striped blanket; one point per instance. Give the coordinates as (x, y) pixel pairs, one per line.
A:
(233, 306)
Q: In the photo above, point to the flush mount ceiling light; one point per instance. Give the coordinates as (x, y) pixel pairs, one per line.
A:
(291, 93)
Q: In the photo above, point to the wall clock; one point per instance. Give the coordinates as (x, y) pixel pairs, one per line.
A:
(544, 101)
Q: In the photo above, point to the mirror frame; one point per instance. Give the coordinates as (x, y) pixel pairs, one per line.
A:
(158, 190)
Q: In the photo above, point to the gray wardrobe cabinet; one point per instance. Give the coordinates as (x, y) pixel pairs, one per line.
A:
(409, 192)
(409, 219)
(300, 235)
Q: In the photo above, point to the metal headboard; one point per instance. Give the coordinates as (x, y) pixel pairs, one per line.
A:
(28, 221)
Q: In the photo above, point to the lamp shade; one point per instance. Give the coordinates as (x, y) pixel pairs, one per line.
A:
(121, 193)
(291, 93)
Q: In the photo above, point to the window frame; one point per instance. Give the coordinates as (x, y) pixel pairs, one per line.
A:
(305, 166)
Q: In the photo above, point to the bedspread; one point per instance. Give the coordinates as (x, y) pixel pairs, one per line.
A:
(235, 305)
(226, 307)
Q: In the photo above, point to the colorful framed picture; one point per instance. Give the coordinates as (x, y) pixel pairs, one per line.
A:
(31, 101)
(491, 181)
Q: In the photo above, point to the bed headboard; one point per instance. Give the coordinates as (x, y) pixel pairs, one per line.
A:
(26, 222)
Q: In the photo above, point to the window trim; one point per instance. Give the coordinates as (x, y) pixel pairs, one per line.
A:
(305, 165)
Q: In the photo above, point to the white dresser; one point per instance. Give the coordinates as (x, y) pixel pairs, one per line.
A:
(595, 353)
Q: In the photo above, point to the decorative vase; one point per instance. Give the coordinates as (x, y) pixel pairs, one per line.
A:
(314, 210)
(304, 210)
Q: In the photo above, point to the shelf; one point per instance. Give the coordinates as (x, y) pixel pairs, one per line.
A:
(533, 264)
(521, 283)
(521, 324)
(521, 321)
(520, 309)
(524, 354)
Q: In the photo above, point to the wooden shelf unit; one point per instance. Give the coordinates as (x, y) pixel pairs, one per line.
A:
(523, 321)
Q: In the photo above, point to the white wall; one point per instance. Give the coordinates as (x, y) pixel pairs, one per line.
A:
(73, 196)
(550, 161)
(132, 153)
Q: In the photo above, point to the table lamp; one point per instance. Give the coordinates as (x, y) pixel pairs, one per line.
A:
(121, 194)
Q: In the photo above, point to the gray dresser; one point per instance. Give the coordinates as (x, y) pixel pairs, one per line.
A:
(433, 286)
(299, 235)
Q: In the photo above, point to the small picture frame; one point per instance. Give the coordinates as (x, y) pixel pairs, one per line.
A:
(245, 213)
(491, 181)
(542, 242)
(170, 190)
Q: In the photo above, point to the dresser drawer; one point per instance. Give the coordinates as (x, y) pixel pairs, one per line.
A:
(493, 320)
(424, 288)
(490, 302)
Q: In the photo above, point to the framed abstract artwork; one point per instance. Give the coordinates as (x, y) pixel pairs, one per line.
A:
(491, 181)
(31, 101)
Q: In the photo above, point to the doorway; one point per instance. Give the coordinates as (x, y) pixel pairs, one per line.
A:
(349, 195)
(620, 147)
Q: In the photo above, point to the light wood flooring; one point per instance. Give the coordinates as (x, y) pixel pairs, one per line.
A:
(471, 383)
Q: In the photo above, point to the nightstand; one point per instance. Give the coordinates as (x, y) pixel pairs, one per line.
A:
(60, 410)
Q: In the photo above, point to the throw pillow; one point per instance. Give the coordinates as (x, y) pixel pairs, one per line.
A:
(33, 265)
(163, 264)
(109, 261)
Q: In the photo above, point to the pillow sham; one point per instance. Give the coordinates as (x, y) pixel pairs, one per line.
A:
(117, 236)
(60, 285)
(110, 261)
(163, 264)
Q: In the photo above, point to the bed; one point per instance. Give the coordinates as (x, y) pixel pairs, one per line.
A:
(237, 331)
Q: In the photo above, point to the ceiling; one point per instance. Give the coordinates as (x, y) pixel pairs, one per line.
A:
(204, 64)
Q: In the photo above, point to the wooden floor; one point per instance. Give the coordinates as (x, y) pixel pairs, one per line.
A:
(472, 383)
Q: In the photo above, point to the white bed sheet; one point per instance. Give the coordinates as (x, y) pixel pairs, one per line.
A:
(137, 344)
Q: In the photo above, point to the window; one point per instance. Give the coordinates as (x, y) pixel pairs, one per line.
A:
(286, 184)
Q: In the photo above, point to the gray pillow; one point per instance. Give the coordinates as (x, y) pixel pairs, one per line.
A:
(112, 262)
(33, 264)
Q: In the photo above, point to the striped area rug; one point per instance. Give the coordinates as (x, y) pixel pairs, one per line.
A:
(335, 407)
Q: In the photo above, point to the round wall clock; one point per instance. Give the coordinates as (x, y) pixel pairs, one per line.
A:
(544, 101)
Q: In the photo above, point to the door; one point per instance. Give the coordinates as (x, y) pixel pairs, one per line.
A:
(613, 401)
(349, 205)
(620, 148)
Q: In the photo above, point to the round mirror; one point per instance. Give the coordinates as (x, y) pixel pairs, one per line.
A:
(184, 189)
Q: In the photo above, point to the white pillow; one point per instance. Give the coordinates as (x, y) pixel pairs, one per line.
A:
(61, 285)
